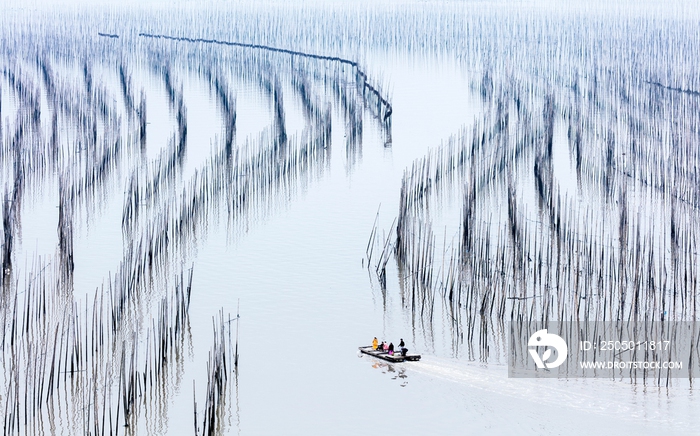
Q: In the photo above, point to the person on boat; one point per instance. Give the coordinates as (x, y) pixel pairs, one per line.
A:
(385, 346)
(391, 349)
(402, 348)
(375, 343)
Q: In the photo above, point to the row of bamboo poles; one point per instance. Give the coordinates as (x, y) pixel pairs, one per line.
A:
(608, 235)
(111, 360)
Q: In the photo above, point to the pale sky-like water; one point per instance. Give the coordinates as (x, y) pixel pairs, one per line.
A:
(307, 301)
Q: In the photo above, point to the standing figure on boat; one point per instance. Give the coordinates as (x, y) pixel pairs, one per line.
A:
(375, 343)
(391, 349)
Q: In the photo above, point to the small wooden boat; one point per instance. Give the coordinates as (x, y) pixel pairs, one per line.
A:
(396, 357)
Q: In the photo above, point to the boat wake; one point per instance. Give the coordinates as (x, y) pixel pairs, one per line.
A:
(619, 400)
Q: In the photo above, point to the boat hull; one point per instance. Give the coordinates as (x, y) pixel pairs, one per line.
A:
(396, 357)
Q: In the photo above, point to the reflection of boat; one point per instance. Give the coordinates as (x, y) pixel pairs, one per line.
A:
(396, 357)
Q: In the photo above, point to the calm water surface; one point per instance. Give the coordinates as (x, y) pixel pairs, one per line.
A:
(307, 300)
